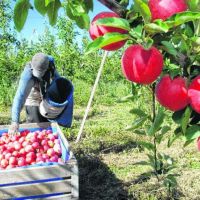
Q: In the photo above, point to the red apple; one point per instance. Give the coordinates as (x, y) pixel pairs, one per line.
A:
(28, 148)
(50, 143)
(54, 158)
(140, 65)
(4, 163)
(12, 161)
(163, 9)
(60, 160)
(7, 156)
(50, 152)
(44, 142)
(45, 148)
(21, 139)
(15, 153)
(172, 93)
(51, 137)
(22, 151)
(57, 148)
(40, 160)
(2, 157)
(29, 160)
(21, 162)
(194, 94)
(96, 31)
(36, 145)
(45, 156)
(17, 145)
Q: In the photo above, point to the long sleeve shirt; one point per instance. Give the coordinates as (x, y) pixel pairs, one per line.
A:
(28, 91)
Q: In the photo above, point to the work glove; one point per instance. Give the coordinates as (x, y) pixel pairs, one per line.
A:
(13, 128)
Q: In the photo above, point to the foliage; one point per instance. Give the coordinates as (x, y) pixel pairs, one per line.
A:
(76, 10)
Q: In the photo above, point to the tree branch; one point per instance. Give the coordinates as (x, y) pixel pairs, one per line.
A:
(115, 7)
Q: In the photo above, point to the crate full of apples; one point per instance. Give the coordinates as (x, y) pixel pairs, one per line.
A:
(37, 164)
(31, 147)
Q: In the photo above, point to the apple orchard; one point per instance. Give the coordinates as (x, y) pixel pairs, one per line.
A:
(161, 39)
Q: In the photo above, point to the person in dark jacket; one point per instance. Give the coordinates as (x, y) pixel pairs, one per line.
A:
(32, 92)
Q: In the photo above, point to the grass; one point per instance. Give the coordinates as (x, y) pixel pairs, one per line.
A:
(107, 153)
(106, 142)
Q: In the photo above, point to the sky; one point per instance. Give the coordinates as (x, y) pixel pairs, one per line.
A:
(36, 23)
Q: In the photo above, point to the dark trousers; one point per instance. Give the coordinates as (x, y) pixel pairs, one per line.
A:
(33, 115)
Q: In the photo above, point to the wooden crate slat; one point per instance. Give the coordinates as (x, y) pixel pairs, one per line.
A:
(75, 182)
(61, 197)
(63, 186)
(35, 173)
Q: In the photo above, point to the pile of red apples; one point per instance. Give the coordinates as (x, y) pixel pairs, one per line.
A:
(29, 148)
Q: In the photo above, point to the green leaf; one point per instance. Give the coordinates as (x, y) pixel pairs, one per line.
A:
(20, 13)
(185, 119)
(188, 142)
(192, 132)
(127, 98)
(137, 123)
(148, 44)
(114, 22)
(89, 5)
(83, 21)
(151, 160)
(40, 6)
(137, 31)
(158, 26)
(157, 122)
(146, 145)
(105, 40)
(69, 10)
(170, 181)
(164, 130)
(172, 139)
(76, 8)
(140, 132)
(138, 112)
(194, 5)
(47, 2)
(143, 9)
(52, 11)
(181, 18)
(177, 116)
(169, 48)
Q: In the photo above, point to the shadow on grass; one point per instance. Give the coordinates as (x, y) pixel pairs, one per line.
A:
(118, 147)
(97, 182)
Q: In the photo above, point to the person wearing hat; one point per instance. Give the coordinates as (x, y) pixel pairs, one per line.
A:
(34, 82)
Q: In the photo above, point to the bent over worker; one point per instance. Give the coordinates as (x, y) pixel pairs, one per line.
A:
(41, 90)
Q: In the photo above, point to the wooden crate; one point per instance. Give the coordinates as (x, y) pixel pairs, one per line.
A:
(56, 182)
